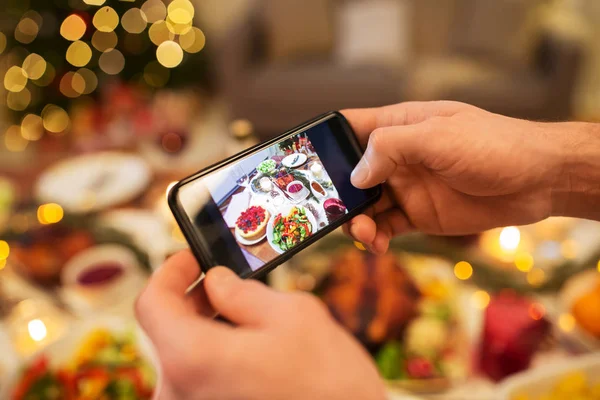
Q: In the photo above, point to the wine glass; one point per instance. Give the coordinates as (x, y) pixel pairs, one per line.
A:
(240, 175)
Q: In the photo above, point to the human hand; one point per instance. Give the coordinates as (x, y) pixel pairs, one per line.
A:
(284, 346)
(451, 169)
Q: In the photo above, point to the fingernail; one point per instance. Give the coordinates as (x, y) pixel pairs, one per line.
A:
(361, 172)
(221, 274)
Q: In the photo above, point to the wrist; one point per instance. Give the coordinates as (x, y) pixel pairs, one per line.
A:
(576, 190)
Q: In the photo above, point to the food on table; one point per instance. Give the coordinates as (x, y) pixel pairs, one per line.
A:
(295, 187)
(283, 178)
(513, 330)
(267, 167)
(575, 385)
(100, 274)
(266, 184)
(317, 170)
(334, 208)
(291, 229)
(104, 367)
(252, 223)
(316, 186)
(586, 311)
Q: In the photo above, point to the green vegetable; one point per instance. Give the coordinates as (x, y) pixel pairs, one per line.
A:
(266, 167)
(390, 360)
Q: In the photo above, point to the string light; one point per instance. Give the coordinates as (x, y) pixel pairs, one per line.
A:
(481, 298)
(51, 213)
(156, 75)
(18, 101)
(169, 54)
(26, 30)
(34, 66)
(13, 140)
(73, 28)
(524, 262)
(15, 79)
(55, 119)
(155, 10)
(159, 33)
(32, 127)
(104, 41)
(193, 41)
(66, 85)
(48, 76)
(181, 12)
(463, 270)
(79, 54)
(2, 42)
(134, 20)
(84, 81)
(106, 19)
(112, 62)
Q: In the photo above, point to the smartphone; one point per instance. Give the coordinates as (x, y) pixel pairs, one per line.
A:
(257, 209)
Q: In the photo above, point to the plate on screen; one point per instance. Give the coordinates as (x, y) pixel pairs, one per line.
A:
(294, 160)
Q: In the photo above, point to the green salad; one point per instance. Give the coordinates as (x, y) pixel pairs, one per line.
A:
(267, 167)
(292, 229)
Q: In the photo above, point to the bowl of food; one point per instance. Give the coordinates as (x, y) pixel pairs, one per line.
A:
(267, 167)
(318, 189)
(291, 226)
(297, 190)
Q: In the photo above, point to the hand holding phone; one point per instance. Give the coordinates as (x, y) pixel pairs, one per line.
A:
(257, 209)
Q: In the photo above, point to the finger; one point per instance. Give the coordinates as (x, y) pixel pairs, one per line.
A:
(389, 224)
(177, 274)
(199, 300)
(362, 228)
(365, 121)
(243, 302)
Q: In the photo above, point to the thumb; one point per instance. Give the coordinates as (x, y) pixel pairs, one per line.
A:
(388, 148)
(243, 302)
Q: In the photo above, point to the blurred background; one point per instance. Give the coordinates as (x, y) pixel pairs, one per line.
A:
(105, 103)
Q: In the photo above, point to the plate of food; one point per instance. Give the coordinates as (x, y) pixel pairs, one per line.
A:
(261, 184)
(294, 160)
(292, 225)
(251, 225)
(267, 167)
(99, 358)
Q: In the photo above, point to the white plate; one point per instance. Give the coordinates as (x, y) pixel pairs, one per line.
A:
(319, 195)
(246, 242)
(94, 182)
(289, 160)
(62, 350)
(285, 211)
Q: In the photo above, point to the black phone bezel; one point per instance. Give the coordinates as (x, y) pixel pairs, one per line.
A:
(193, 238)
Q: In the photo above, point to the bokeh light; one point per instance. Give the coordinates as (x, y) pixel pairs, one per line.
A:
(181, 12)
(50, 213)
(26, 30)
(55, 119)
(84, 81)
(360, 246)
(536, 277)
(524, 262)
(566, 322)
(193, 41)
(537, 311)
(104, 41)
(241, 128)
(463, 270)
(169, 54)
(2, 42)
(172, 142)
(4, 250)
(159, 33)
(568, 249)
(48, 76)
(13, 141)
(66, 85)
(32, 127)
(18, 101)
(37, 330)
(481, 299)
(155, 10)
(112, 62)
(134, 20)
(178, 29)
(94, 2)
(34, 66)
(510, 238)
(106, 19)
(79, 54)
(156, 75)
(15, 79)
(73, 27)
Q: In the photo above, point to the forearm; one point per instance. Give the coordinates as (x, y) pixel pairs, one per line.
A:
(576, 192)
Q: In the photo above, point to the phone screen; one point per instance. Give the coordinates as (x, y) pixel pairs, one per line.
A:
(249, 213)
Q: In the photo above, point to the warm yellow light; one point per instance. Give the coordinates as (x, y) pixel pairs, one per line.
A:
(463, 270)
(26, 30)
(241, 128)
(193, 41)
(79, 54)
(15, 79)
(55, 119)
(106, 19)
(18, 101)
(568, 249)
(2, 42)
(360, 246)
(510, 238)
(156, 75)
(134, 20)
(536, 277)
(524, 262)
(73, 27)
(537, 311)
(34, 66)
(181, 11)
(32, 127)
(566, 322)
(178, 29)
(104, 41)
(169, 54)
(13, 140)
(481, 299)
(2, 264)
(50, 213)
(159, 33)
(48, 76)
(112, 62)
(84, 81)
(4, 250)
(66, 85)
(598, 266)
(37, 330)
(155, 10)
(94, 2)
